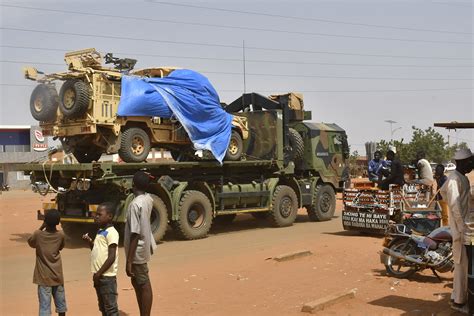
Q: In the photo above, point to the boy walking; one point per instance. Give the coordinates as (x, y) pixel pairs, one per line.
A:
(139, 243)
(104, 260)
(48, 242)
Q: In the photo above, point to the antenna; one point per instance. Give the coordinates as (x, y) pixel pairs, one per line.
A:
(243, 52)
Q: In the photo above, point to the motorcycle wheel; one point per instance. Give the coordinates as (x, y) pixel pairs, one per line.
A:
(399, 268)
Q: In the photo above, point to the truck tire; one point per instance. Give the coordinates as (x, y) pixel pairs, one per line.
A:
(284, 207)
(44, 102)
(87, 155)
(297, 144)
(236, 147)
(134, 145)
(75, 96)
(323, 203)
(195, 215)
(158, 218)
(224, 219)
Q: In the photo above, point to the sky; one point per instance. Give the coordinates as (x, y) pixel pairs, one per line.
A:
(357, 63)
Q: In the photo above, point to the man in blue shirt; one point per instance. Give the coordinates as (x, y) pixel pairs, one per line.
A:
(375, 165)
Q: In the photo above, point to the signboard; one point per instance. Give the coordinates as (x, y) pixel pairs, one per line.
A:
(354, 220)
(38, 141)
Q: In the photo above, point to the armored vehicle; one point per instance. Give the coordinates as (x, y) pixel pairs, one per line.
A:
(290, 163)
(83, 116)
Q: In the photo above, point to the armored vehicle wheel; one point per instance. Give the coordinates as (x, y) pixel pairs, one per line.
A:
(323, 205)
(87, 155)
(296, 144)
(224, 219)
(44, 102)
(75, 96)
(396, 267)
(158, 218)
(284, 207)
(195, 215)
(236, 146)
(134, 145)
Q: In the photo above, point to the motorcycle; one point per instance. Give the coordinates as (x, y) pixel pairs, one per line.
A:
(406, 253)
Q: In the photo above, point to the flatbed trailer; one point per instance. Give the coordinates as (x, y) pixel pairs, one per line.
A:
(188, 195)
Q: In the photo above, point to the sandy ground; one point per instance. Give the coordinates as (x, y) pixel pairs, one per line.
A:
(228, 273)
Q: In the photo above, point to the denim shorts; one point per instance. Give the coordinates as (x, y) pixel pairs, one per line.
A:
(44, 297)
(107, 294)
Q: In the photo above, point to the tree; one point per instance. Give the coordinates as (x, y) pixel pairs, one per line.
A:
(429, 141)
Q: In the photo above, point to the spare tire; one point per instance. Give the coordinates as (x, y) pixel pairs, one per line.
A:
(75, 96)
(44, 102)
(296, 144)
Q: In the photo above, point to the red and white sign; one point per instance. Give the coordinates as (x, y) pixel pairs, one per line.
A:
(39, 136)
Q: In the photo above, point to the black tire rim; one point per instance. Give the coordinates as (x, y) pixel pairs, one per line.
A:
(325, 202)
(196, 215)
(286, 206)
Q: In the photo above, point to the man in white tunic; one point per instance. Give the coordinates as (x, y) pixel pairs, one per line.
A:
(456, 191)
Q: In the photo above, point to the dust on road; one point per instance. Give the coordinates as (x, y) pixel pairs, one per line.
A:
(227, 273)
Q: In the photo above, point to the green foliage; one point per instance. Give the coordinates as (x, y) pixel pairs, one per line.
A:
(430, 141)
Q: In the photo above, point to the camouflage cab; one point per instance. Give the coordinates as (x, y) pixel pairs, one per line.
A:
(83, 115)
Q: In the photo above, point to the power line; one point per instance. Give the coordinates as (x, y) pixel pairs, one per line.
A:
(299, 18)
(238, 27)
(283, 75)
(252, 60)
(226, 45)
(306, 91)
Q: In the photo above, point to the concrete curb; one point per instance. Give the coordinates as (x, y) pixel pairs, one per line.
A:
(292, 255)
(327, 301)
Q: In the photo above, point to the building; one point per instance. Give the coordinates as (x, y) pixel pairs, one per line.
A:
(20, 144)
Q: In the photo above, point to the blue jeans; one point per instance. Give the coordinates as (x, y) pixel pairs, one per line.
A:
(44, 297)
(107, 294)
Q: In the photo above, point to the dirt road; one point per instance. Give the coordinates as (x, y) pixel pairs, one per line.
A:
(227, 273)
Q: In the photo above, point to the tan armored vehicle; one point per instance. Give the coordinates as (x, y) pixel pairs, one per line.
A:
(83, 116)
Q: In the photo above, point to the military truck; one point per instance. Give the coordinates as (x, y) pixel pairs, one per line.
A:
(83, 116)
(290, 163)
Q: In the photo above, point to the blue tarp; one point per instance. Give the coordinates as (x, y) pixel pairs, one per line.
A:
(186, 95)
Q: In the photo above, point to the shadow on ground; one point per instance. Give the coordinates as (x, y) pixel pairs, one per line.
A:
(417, 277)
(412, 306)
(352, 233)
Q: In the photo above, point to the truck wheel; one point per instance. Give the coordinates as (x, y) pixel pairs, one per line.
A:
(87, 155)
(158, 218)
(323, 205)
(224, 219)
(236, 146)
(134, 145)
(44, 103)
(297, 144)
(75, 96)
(284, 207)
(195, 215)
